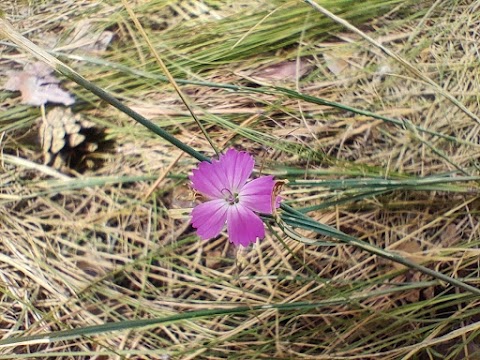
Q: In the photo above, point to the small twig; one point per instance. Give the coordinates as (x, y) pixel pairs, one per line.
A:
(169, 76)
(9, 32)
(162, 176)
(295, 218)
(395, 56)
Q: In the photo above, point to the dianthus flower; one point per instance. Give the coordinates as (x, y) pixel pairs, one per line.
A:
(231, 198)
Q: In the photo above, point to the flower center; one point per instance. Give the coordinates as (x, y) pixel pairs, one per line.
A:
(231, 198)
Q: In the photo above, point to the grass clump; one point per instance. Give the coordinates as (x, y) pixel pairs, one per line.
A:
(95, 264)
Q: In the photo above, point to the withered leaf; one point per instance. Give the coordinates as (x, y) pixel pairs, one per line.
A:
(284, 71)
(37, 85)
(335, 64)
(411, 249)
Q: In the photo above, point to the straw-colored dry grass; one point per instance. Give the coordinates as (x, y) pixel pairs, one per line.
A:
(91, 244)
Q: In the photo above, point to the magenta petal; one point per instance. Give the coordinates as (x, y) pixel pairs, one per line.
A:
(257, 195)
(238, 166)
(244, 227)
(209, 218)
(209, 179)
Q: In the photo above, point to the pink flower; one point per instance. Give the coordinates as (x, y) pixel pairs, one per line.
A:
(231, 199)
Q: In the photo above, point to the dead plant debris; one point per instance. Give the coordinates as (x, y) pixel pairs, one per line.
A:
(80, 251)
(63, 133)
(37, 85)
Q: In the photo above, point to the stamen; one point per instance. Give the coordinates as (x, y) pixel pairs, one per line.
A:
(231, 198)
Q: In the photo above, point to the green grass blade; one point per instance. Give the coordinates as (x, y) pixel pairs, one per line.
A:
(297, 219)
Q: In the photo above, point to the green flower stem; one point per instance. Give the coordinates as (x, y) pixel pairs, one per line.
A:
(62, 335)
(291, 216)
(297, 219)
(8, 31)
(271, 90)
(391, 184)
(126, 110)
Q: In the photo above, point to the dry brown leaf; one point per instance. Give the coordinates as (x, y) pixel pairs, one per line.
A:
(449, 237)
(214, 259)
(411, 249)
(37, 85)
(86, 39)
(428, 293)
(414, 294)
(283, 71)
(335, 63)
(340, 60)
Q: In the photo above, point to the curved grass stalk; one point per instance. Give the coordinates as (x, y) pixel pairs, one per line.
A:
(272, 90)
(62, 335)
(170, 78)
(396, 57)
(290, 217)
(8, 31)
(296, 219)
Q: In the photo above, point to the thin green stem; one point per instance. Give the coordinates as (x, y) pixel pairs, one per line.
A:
(394, 56)
(185, 316)
(8, 31)
(272, 90)
(169, 76)
(297, 219)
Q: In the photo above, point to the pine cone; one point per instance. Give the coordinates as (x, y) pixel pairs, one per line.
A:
(63, 134)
